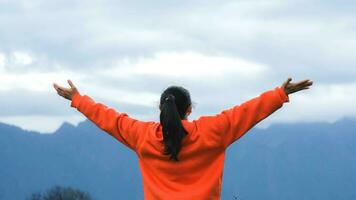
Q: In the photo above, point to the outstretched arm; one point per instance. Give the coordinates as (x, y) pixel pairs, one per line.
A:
(229, 125)
(118, 125)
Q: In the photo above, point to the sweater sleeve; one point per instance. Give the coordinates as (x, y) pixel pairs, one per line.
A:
(119, 125)
(229, 125)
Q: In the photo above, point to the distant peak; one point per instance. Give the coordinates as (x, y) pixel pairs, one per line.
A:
(65, 127)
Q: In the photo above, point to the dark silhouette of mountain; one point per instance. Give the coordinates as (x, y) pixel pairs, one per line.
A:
(285, 161)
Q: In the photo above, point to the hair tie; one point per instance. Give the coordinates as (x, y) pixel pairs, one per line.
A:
(170, 97)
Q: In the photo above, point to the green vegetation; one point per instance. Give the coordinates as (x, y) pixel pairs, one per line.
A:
(60, 193)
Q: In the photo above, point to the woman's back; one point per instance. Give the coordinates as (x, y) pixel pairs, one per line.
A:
(197, 174)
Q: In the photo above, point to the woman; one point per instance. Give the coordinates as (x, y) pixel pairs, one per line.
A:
(181, 159)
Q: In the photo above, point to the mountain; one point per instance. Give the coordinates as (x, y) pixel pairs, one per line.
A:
(285, 161)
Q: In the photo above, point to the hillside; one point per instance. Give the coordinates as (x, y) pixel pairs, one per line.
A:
(285, 161)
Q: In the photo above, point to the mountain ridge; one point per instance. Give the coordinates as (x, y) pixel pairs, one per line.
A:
(284, 161)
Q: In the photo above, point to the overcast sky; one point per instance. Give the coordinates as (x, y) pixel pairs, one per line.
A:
(125, 53)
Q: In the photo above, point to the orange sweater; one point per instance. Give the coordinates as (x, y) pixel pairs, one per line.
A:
(198, 174)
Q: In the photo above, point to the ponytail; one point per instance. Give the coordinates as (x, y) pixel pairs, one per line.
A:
(173, 130)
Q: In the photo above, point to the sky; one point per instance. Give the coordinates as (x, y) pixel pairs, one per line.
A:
(125, 53)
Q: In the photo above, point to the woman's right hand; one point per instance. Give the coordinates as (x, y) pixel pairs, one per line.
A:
(290, 88)
(66, 93)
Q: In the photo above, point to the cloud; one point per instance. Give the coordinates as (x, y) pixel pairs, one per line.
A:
(191, 65)
(126, 52)
(323, 103)
(277, 33)
(2, 62)
(33, 81)
(41, 123)
(22, 58)
(20, 102)
(186, 65)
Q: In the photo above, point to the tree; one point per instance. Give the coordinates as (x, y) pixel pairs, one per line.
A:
(60, 193)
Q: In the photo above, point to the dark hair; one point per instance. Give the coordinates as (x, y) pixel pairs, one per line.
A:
(174, 103)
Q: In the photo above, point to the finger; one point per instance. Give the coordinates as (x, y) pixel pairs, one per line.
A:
(60, 93)
(305, 88)
(301, 85)
(71, 84)
(64, 94)
(306, 84)
(59, 89)
(287, 82)
(309, 83)
(55, 86)
(63, 89)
